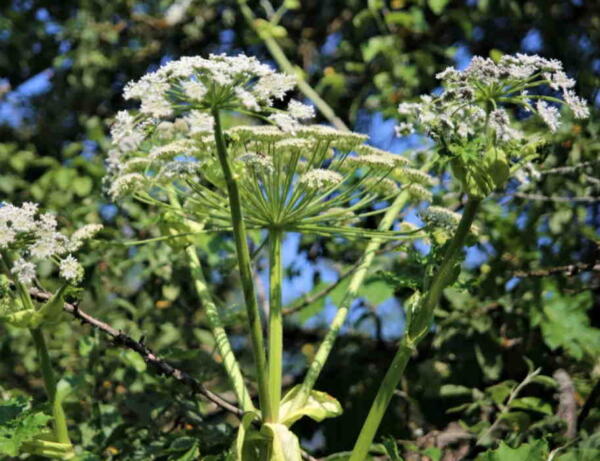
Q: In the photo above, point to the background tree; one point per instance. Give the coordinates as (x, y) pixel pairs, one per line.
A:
(63, 66)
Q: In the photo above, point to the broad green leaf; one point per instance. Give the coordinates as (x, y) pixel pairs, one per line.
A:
(284, 445)
(189, 455)
(376, 291)
(19, 424)
(319, 406)
(535, 451)
(500, 392)
(51, 311)
(533, 404)
(565, 323)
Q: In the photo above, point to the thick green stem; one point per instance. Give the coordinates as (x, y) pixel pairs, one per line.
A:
(285, 65)
(419, 325)
(243, 256)
(61, 431)
(214, 320)
(230, 363)
(322, 354)
(275, 322)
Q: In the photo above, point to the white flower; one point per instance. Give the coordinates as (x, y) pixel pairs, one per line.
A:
(418, 192)
(24, 271)
(440, 217)
(300, 111)
(82, 234)
(559, 80)
(285, 122)
(199, 122)
(549, 115)
(7, 236)
(70, 269)
(320, 178)
(194, 89)
(578, 105)
(126, 183)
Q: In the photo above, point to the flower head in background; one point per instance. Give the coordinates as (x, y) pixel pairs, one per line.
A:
(28, 237)
(473, 119)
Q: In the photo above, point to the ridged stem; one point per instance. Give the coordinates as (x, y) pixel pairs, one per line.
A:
(243, 256)
(232, 367)
(419, 325)
(61, 430)
(275, 322)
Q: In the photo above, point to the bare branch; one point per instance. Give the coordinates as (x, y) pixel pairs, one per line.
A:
(553, 198)
(570, 270)
(161, 366)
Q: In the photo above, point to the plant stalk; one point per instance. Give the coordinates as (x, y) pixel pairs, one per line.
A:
(356, 281)
(419, 325)
(275, 321)
(61, 430)
(230, 363)
(243, 256)
(285, 64)
(214, 320)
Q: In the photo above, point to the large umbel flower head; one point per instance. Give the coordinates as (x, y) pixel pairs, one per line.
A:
(472, 120)
(293, 177)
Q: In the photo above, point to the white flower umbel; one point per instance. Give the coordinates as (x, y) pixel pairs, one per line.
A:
(474, 120)
(29, 238)
(474, 99)
(288, 174)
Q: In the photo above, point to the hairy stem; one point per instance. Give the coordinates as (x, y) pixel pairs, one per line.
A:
(275, 321)
(243, 256)
(419, 325)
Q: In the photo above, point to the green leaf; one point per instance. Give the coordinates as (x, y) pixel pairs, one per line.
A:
(284, 445)
(376, 291)
(565, 323)
(240, 439)
(51, 312)
(535, 451)
(189, 455)
(500, 392)
(19, 424)
(437, 6)
(533, 404)
(319, 406)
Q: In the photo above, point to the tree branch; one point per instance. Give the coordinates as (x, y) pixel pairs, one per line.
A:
(162, 367)
(552, 198)
(570, 270)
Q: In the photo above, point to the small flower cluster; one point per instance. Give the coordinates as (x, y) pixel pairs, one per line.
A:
(476, 99)
(27, 237)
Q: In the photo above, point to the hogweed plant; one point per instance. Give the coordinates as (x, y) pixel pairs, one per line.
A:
(472, 124)
(281, 175)
(29, 239)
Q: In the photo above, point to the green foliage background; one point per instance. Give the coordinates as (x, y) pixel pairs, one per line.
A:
(363, 58)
